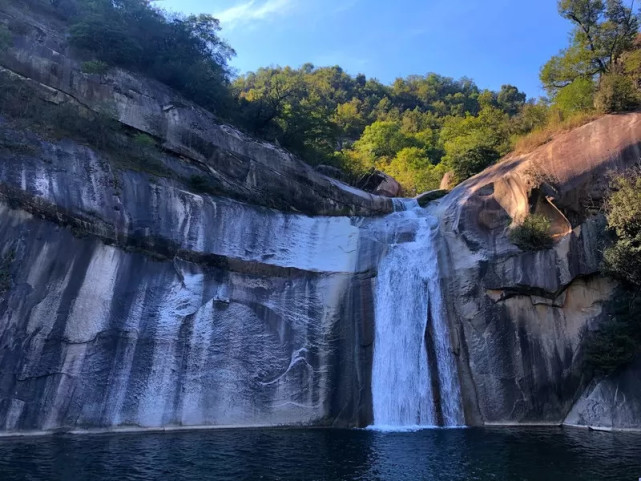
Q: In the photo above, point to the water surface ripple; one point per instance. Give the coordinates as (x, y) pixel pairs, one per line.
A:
(272, 454)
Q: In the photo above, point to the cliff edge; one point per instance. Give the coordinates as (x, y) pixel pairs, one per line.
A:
(520, 318)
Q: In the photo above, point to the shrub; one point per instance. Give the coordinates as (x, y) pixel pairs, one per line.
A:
(202, 185)
(533, 234)
(184, 52)
(617, 342)
(623, 209)
(616, 93)
(144, 141)
(623, 261)
(576, 97)
(95, 67)
(624, 205)
(556, 123)
(471, 162)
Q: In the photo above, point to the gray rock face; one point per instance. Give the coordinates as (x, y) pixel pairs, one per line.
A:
(97, 337)
(243, 168)
(614, 403)
(518, 318)
(135, 303)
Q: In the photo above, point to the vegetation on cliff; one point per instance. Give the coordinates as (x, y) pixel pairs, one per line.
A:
(184, 52)
(597, 73)
(623, 259)
(416, 129)
(619, 341)
(532, 234)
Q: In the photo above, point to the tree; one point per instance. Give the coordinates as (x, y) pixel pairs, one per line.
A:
(468, 162)
(414, 170)
(349, 121)
(326, 116)
(576, 97)
(618, 340)
(603, 31)
(617, 93)
(383, 139)
(510, 100)
(184, 52)
(533, 115)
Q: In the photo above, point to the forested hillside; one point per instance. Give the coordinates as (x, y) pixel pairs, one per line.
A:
(417, 129)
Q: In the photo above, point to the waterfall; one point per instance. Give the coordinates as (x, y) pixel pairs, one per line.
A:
(414, 377)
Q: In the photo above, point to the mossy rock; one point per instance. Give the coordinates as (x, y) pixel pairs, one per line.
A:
(432, 195)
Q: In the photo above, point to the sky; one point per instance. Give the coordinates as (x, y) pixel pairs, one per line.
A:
(494, 42)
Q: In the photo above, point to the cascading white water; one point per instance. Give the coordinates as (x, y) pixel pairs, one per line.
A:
(414, 377)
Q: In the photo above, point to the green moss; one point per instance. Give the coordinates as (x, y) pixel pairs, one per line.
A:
(5, 37)
(95, 67)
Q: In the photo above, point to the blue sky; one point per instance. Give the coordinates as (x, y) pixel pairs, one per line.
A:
(492, 41)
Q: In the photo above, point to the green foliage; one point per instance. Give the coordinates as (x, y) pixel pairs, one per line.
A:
(383, 139)
(510, 100)
(145, 147)
(95, 67)
(533, 234)
(624, 205)
(602, 32)
(329, 117)
(623, 259)
(144, 141)
(466, 163)
(413, 169)
(184, 52)
(5, 37)
(575, 97)
(473, 143)
(617, 93)
(618, 341)
(532, 116)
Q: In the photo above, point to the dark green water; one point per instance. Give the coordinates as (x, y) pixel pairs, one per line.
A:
(466, 454)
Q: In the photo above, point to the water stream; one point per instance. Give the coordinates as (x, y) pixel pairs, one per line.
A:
(414, 378)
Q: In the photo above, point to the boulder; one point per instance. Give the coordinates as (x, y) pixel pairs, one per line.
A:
(427, 197)
(380, 183)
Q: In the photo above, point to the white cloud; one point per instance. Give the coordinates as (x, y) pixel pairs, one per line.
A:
(346, 5)
(252, 11)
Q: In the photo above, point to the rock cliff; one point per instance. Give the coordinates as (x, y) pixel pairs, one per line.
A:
(239, 166)
(520, 317)
(132, 297)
